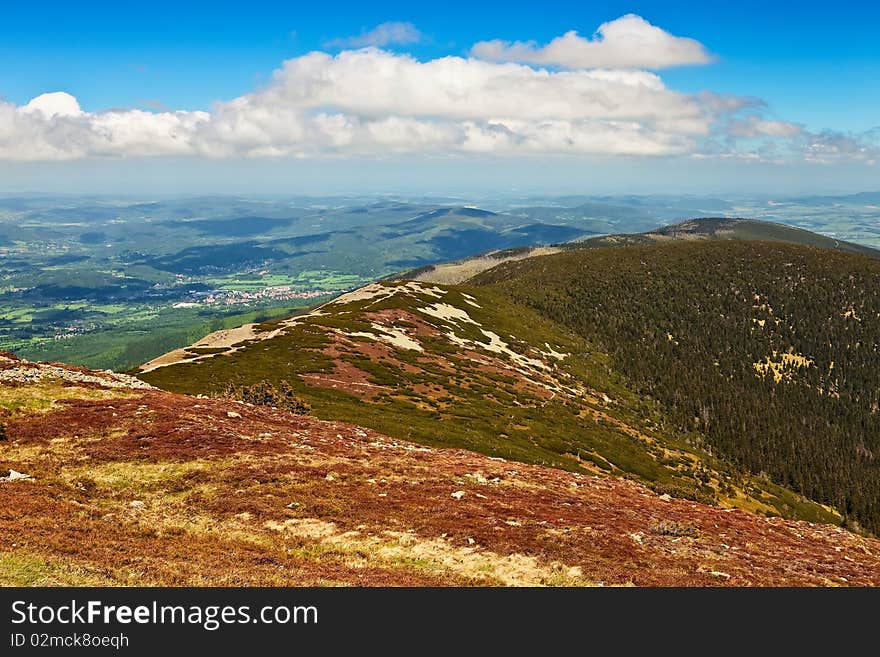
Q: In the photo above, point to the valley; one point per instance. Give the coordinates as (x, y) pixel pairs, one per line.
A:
(113, 282)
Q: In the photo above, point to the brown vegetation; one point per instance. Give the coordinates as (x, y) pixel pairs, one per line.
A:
(166, 489)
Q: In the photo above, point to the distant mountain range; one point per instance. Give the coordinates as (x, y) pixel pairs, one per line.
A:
(110, 283)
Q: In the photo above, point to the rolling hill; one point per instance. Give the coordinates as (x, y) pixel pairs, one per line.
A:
(114, 283)
(754, 387)
(728, 229)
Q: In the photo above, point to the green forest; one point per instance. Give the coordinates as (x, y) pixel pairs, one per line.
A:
(768, 350)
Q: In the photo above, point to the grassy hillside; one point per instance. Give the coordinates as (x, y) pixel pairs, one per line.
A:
(737, 387)
(106, 483)
(467, 367)
(768, 350)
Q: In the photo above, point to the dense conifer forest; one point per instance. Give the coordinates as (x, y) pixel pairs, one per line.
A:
(770, 351)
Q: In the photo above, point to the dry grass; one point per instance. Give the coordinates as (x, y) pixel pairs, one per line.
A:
(783, 365)
(164, 489)
(458, 272)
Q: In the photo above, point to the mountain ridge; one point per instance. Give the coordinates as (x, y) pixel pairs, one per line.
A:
(725, 228)
(705, 228)
(398, 356)
(516, 429)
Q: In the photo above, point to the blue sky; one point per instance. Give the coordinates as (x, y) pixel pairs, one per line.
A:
(814, 65)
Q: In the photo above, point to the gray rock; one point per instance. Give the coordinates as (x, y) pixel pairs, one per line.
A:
(26, 372)
(16, 476)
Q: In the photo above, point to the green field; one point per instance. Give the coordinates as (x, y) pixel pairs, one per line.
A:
(130, 338)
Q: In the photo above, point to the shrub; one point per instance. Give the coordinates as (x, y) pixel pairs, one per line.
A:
(266, 393)
(673, 528)
(87, 485)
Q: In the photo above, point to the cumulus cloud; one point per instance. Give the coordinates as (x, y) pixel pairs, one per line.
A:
(628, 42)
(374, 102)
(53, 127)
(53, 104)
(384, 34)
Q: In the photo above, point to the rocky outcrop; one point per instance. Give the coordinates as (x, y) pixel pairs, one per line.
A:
(16, 370)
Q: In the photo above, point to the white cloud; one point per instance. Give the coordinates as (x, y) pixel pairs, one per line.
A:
(755, 126)
(628, 42)
(830, 146)
(376, 83)
(53, 127)
(371, 102)
(384, 34)
(53, 104)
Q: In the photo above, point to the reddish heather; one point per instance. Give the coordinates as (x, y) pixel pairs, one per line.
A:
(250, 495)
